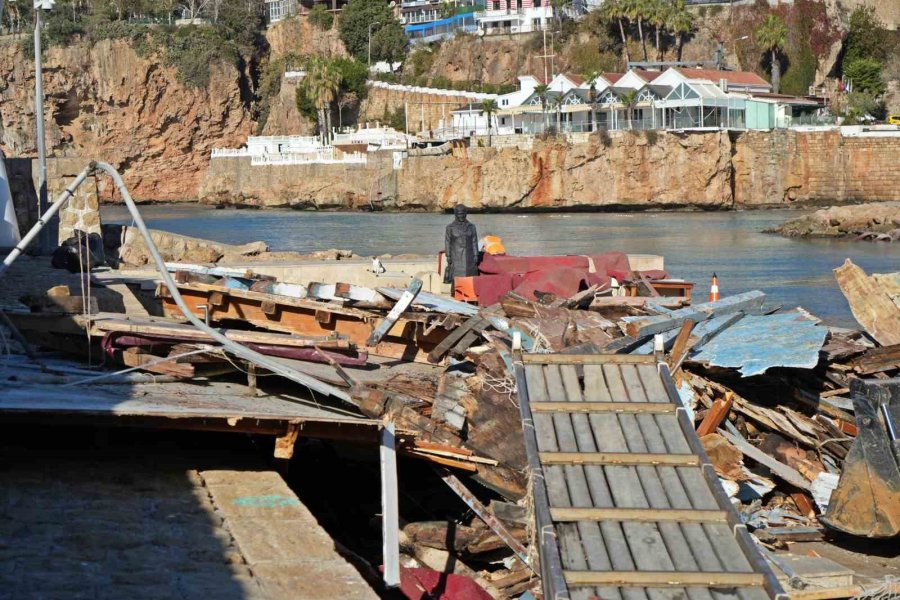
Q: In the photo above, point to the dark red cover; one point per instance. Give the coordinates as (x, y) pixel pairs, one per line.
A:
(562, 276)
(425, 584)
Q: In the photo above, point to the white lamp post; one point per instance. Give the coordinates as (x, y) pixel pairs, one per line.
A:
(371, 25)
(39, 6)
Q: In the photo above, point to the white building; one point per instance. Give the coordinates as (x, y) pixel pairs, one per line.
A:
(514, 16)
(276, 10)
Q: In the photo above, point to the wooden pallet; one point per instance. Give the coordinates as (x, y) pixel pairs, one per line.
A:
(636, 508)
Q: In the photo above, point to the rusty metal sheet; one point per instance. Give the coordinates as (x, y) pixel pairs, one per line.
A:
(757, 343)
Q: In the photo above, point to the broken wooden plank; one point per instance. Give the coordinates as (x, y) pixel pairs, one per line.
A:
(680, 348)
(778, 468)
(454, 337)
(715, 416)
(873, 301)
(643, 326)
(403, 303)
(877, 360)
(485, 515)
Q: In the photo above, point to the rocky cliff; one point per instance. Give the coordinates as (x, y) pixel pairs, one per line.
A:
(107, 103)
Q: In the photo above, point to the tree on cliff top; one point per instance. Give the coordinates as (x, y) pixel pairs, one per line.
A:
(867, 37)
(771, 36)
(321, 85)
(489, 107)
(356, 17)
(615, 10)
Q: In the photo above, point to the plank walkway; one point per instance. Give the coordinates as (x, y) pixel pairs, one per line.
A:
(636, 509)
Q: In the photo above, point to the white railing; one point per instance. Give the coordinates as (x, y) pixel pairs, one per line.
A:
(229, 152)
(414, 89)
(322, 157)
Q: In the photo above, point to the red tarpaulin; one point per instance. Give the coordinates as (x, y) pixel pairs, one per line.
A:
(425, 584)
(563, 276)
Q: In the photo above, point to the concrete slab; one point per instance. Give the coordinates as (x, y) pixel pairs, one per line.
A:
(142, 518)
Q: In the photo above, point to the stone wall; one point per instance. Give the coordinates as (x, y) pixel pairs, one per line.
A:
(426, 111)
(818, 167)
(706, 170)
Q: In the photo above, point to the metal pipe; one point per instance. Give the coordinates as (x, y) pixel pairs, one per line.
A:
(45, 218)
(266, 362)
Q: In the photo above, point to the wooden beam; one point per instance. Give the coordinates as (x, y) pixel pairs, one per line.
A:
(402, 304)
(716, 414)
(650, 325)
(587, 359)
(680, 348)
(619, 458)
(663, 579)
(643, 515)
(778, 468)
(603, 407)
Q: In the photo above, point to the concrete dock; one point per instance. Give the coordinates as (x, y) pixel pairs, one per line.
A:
(140, 515)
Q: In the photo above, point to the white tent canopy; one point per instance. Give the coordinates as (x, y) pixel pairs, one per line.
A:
(9, 227)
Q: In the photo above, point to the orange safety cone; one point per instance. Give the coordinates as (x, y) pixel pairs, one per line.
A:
(714, 289)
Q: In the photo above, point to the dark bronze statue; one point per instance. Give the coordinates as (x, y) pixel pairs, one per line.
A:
(460, 246)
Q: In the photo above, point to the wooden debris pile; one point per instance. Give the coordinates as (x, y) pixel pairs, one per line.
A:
(770, 388)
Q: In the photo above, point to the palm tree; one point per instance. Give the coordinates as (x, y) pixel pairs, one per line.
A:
(629, 99)
(615, 9)
(541, 91)
(489, 107)
(657, 16)
(321, 86)
(636, 10)
(556, 104)
(591, 79)
(772, 35)
(680, 22)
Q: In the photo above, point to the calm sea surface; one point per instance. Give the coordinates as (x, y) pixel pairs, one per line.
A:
(791, 272)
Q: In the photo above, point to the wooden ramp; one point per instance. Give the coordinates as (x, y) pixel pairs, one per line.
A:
(633, 508)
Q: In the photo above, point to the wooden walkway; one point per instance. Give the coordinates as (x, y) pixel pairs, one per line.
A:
(634, 509)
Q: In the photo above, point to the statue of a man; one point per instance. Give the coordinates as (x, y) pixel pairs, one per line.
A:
(460, 246)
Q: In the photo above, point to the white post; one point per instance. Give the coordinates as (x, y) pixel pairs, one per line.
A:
(390, 514)
(43, 204)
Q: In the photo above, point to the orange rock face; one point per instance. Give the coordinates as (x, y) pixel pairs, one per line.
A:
(107, 103)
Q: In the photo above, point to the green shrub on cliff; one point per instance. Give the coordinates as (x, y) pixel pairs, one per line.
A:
(388, 38)
(865, 73)
(320, 17)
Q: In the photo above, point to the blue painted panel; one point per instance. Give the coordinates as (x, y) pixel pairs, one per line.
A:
(757, 343)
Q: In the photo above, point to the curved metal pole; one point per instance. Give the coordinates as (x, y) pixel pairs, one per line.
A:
(263, 361)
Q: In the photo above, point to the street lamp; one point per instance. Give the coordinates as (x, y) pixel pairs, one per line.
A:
(734, 48)
(39, 7)
(371, 25)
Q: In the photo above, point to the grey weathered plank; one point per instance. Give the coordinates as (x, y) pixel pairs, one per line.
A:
(721, 539)
(633, 386)
(595, 387)
(696, 487)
